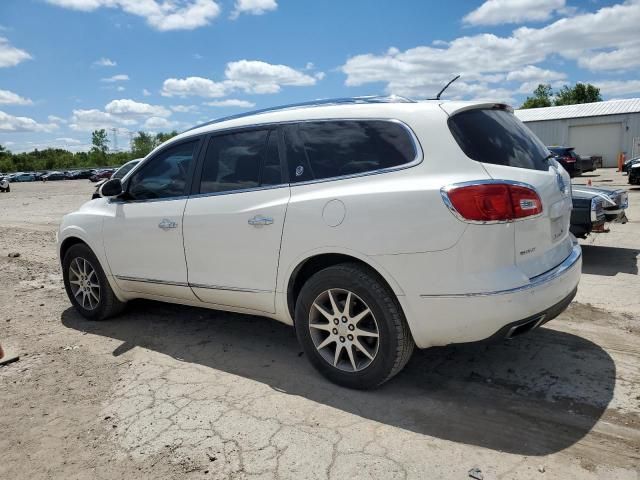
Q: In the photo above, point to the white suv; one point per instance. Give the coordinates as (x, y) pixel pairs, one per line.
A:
(370, 224)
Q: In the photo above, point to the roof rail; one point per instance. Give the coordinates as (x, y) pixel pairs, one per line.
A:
(313, 103)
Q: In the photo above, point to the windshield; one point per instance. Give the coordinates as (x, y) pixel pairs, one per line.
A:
(496, 136)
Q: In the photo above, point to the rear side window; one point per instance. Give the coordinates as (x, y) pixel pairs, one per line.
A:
(326, 149)
(241, 160)
(498, 137)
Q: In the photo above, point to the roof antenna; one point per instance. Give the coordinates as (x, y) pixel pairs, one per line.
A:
(445, 87)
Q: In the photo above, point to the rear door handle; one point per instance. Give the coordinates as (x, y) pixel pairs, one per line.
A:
(259, 220)
(167, 224)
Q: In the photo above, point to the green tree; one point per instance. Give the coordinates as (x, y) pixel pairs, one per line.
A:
(142, 144)
(581, 93)
(100, 142)
(163, 137)
(541, 97)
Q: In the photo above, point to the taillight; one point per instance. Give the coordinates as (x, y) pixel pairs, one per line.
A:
(492, 201)
(569, 159)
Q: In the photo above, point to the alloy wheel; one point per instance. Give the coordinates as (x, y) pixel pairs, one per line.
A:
(344, 330)
(84, 283)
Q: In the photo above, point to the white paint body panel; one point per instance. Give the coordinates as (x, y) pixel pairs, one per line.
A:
(231, 262)
(441, 269)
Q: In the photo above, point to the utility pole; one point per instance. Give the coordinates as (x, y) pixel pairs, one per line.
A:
(115, 139)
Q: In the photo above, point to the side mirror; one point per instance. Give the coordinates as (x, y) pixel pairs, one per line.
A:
(111, 188)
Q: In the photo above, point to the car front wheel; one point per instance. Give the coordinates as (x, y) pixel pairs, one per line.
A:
(87, 285)
(351, 327)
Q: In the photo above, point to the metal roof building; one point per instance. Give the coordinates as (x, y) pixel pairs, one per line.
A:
(602, 128)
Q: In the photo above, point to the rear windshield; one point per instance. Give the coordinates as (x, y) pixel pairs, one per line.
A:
(496, 136)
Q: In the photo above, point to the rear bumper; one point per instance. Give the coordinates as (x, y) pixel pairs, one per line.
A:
(470, 317)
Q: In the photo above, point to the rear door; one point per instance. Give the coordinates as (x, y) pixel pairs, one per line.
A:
(508, 150)
(233, 225)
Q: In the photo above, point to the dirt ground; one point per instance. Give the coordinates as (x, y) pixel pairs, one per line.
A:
(174, 392)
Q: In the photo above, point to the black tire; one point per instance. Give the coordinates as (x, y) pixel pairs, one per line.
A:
(108, 304)
(395, 343)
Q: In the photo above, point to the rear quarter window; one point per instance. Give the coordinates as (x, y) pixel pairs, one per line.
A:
(328, 149)
(496, 136)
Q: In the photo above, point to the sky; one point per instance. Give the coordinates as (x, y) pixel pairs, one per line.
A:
(68, 67)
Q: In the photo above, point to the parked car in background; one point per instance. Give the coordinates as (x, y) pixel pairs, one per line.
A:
(593, 207)
(4, 184)
(634, 174)
(22, 177)
(51, 176)
(81, 174)
(626, 166)
(568, 158)
(120, 173)
(101, 174)
(323, 216)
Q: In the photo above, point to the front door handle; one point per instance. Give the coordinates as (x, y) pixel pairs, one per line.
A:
(167, 224)
(259, 220)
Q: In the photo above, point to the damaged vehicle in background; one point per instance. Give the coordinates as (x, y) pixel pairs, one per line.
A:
(594, 207)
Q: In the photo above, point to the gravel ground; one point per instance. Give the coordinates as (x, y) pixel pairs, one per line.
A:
(174, 392)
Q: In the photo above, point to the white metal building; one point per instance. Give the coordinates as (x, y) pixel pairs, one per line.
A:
(601, 128)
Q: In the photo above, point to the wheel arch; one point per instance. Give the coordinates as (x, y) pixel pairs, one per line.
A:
(69, 242)
(312, 264)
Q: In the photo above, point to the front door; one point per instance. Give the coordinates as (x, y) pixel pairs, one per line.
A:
(143, 235)
(233, 227)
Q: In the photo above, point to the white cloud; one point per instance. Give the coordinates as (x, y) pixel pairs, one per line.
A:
(253, 7)
(68, 140)
(618, 87)
(118, 113)
(250, 76)
(231, 102)
(10, 55)
(193, 86)
(116, 78)
(496, 12)
(55, 119)
(184, 108)
(93, 119)
(105, 62)
(485, 59)
(120, 88)
(161, 15)
(254, 76)
(624, 58)
(158, 123)
(10, 123)
(130, 109)
(9, 98)
(146, 92)
(532, 76)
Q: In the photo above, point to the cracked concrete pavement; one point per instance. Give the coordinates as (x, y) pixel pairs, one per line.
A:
(165, 391)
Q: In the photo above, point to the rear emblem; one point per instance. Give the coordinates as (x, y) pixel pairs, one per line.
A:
(299, 170)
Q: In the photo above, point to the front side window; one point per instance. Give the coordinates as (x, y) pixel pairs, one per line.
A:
(241, 160)
(326, 149)
(165, 175)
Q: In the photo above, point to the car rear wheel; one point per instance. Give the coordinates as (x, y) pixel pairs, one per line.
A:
(87, 285)
(351, 327)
